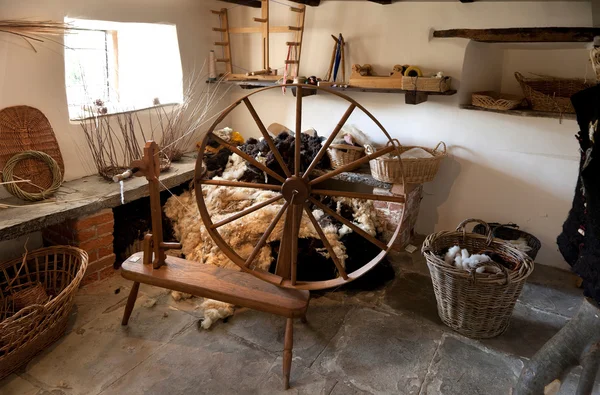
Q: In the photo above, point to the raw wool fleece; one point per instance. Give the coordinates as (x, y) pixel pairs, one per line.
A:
(243, 234)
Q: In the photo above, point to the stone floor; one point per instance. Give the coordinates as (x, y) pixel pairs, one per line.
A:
(389, 341)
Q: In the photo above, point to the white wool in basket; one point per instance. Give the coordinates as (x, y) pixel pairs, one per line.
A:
(462, 259)
(415, 153)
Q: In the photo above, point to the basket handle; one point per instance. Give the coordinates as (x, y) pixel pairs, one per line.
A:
(519, 76)
(509, 225)
(488, 231)
(438, 146)
(394, 142)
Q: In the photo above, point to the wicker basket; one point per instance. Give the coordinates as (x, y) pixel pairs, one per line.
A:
(415, 170)
(24, 128)
(426, 84)
(342, 154)
(511, 232)
(496, 101)
(475, 305)
(550, 93)
(49, 274)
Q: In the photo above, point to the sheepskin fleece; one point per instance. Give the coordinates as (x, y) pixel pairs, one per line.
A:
(243, 234)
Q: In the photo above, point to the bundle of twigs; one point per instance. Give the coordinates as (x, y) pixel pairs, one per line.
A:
(29, 30)
(180, 125)
(111, 155)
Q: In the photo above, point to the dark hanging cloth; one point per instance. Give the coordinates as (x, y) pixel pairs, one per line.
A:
(579, 242)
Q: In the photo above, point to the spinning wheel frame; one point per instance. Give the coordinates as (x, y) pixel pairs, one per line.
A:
(297, 192)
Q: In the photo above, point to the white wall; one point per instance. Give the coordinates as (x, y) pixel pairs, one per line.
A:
(37, 79)
(501, 168)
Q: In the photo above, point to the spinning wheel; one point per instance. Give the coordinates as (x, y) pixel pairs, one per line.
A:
(300, 188)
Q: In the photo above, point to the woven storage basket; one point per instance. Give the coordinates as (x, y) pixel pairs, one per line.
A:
(426, 84)
(496, 101)
(550, 93)
(24, 128)
(475, 305)
(50, 276)
(342, 154)
(416, 170)
(511, 232)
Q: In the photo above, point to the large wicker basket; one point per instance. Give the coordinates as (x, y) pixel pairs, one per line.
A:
(512, 232)
(475, 305)
(343, 154)
(416, 170)
(35, 300)
(551, 94)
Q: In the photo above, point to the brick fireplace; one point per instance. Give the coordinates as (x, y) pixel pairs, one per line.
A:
(92, 233)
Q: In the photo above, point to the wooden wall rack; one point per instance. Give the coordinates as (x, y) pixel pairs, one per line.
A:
(265, 29)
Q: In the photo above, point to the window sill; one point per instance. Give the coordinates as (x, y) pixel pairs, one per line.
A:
(76, 120)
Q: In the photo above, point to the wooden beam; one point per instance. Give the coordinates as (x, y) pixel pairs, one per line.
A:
(523, 34)
(312, 3)
(247, 3)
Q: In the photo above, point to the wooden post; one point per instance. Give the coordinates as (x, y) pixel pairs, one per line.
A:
(149, 166)
(300, 36)
(287, 352)
(130, 303)
(224, 18)
(264, 7)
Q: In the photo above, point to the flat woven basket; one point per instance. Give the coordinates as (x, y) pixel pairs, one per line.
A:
(35, 300)
(342, 154)
(512, 232)
(24, 128)
(475, 305)
(551, 94)
(496, 101)
(416, 170)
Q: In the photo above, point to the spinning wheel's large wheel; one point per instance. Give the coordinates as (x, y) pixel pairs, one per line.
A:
(299, 190)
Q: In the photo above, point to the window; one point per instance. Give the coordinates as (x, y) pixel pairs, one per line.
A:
(125, 66)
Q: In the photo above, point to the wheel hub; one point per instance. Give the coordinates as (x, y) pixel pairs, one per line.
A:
(295, 187)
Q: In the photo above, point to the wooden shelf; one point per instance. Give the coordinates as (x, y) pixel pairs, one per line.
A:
(524, 34)
(412, 97)
(522, 113)
(82, 197)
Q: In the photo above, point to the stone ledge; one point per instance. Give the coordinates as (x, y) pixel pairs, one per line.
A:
(82, 197)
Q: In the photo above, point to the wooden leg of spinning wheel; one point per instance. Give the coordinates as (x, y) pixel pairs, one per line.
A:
(130, 302)
(287, 352)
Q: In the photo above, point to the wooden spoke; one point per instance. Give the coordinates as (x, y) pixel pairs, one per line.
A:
(326, 243)
(296, 220)
(352, 165)
(333, 135)
(248, 158)
(267, 137)
(240, 184)
(245, 212)
(356, 195)
(283, 266)
(298, 141)
(266, 235)
(349, 224)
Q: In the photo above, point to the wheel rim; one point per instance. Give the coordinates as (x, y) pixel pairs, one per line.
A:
(297, 191)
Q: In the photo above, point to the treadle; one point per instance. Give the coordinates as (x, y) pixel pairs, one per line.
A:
(226, 285)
